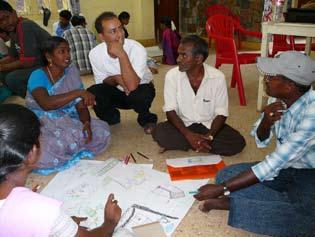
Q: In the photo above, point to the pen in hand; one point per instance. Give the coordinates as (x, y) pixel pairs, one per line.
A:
(36, 188)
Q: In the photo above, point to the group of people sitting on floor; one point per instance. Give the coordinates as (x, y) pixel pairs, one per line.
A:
(275, 196)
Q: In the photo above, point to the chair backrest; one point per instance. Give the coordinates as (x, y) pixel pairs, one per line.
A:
(220, 9)
(280, 44)
(222, 25)
(280, 40)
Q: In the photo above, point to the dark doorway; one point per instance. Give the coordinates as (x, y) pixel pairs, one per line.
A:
(165, 8)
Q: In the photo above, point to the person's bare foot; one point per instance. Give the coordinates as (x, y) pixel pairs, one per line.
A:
(162, 150)
(215, 203)
(149, 127)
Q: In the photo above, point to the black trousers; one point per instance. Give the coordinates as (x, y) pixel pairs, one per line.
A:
(109, 99)
(227, 141)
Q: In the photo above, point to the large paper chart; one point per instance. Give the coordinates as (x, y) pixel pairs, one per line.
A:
(145, 195)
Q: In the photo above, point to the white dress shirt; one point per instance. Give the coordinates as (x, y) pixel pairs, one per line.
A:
(210, 100)
(104, 65)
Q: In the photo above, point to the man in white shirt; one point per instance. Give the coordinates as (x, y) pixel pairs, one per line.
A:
(123, 79)
(196, 105)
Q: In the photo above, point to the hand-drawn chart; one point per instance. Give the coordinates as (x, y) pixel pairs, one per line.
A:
(145, 195)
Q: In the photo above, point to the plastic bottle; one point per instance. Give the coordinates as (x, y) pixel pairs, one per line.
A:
(278, 11)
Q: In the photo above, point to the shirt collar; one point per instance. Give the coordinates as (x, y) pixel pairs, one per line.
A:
(300, 103)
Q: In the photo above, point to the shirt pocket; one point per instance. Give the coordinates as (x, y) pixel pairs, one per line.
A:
(205, 107)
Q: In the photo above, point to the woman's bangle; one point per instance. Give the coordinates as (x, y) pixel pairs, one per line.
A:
(86, 123)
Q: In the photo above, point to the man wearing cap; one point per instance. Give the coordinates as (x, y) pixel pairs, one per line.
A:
(277, 195)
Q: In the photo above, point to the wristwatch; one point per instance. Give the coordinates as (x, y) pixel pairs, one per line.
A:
(226, 191)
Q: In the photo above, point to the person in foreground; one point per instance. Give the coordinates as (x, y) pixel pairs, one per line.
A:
(19, 154)
(123, 79)
(277, 195)
(196, 105)
(56, 95)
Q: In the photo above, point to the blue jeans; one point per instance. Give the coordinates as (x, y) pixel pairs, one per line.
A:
(284, 206)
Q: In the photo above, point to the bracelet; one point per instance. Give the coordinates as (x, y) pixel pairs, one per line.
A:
(226, 191)
(86, 123)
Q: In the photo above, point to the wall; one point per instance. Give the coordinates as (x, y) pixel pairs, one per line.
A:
(141, 26)
(193, 13)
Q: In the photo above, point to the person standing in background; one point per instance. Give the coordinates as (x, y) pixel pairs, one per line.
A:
(124, 18)
(63, 23)
(170, 41)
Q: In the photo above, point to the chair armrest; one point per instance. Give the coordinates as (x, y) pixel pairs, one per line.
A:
(250, 33)
(219, 37)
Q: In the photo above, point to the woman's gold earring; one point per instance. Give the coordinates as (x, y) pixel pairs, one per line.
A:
(49, 63)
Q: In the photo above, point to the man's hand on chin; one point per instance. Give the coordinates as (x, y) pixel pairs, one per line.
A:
(115, 49)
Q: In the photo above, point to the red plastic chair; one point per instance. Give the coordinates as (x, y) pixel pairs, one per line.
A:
(221, 9)
(280, 43)
(221, 28)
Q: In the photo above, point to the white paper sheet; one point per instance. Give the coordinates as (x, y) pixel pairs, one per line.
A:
(194, 161)
(145, 195)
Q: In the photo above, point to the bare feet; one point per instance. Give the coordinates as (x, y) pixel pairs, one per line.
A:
(215, 203)
(162, 150)
(149, 127)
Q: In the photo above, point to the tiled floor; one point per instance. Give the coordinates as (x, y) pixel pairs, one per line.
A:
(241, 117)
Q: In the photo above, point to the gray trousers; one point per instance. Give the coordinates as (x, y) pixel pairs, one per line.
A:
(227, 142)
(17, 80)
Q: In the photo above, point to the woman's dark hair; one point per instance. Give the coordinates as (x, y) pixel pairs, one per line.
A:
(103, 17)
(200, 46)
(5, 6)
(19, 132)
(123, 15)
(65, 14)
(50, 45)
(165, 20)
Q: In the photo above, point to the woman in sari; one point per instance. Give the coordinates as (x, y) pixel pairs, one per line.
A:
(56, 95)
(170, 41)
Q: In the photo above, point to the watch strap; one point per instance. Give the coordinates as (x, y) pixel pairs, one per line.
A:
(226, 191)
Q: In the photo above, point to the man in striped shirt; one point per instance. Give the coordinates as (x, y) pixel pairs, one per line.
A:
(277, 195)
(81, 41)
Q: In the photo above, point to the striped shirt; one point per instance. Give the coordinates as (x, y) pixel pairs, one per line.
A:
(295, 134)
(81, 41)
